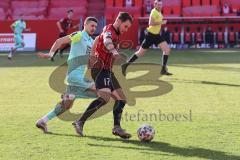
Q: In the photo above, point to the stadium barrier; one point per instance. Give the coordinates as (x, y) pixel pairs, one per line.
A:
(194, 23)
(47, 31)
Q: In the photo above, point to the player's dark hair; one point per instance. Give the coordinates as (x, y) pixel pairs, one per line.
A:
(88, 19)
(157, 1)
(124, 16)
(70, 10)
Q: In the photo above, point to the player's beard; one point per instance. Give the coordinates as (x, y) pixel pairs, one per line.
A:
(118, 29)
(92, 32)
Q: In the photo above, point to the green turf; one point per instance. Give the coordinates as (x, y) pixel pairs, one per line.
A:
(205, 82)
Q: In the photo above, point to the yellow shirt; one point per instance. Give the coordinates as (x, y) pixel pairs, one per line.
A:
(157, 17)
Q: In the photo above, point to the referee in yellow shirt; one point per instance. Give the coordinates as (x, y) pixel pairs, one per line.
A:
(153, 37)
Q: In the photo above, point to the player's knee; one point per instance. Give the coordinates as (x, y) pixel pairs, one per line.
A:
(140, 53)
(68, 104)
(123, 100)
(101, 101)
(167, 51)
(105, 98)
(67, 100)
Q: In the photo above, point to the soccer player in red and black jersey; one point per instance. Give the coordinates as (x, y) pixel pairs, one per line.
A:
(64, 25)
(101, 71)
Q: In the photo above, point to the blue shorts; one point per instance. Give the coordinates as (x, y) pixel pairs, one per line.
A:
(80, 92)
(18, 40)
(78, 85)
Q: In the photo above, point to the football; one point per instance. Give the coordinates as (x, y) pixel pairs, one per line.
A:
(145, 133)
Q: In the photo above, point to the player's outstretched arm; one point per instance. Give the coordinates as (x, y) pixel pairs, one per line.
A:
(108, 43)
(57, 45)
(59, 26)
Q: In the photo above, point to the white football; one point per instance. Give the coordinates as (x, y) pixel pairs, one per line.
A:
(146, 133)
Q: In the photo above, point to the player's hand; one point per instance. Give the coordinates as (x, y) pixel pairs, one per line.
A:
(164, 22)
(43, 55)
(28, 30)
(114, 52)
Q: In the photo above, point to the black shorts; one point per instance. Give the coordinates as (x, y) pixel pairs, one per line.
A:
(104, 79)
(151, 39)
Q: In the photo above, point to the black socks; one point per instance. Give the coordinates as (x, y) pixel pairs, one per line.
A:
(117, 111)
(93, 107)
(164, 61)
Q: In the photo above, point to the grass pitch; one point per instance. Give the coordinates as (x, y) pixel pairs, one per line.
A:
(203, 93)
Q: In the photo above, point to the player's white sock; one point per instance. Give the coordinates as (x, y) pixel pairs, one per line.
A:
(10, 55)
(45, 119)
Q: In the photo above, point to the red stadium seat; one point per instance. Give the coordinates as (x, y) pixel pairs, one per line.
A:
(215, 11)
(29, 17)
(113, 11)
(187, 11)
(30, 4)
(58, 13)
(4, 4)
(171, 3)
(138, 3)
(205, 2)
(199, 11)
(177, 10)
(216, 14)
(2, 14)
(196, 2)
(108, 15)
(231, 2)
(110, 12)
(167, 11)
(68, 3)
(119, 3)
(216, 2)
(136, 15)
(29, 11)
(108, 3)
(186, 3)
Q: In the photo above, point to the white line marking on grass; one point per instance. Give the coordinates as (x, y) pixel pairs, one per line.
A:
(219, 51)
